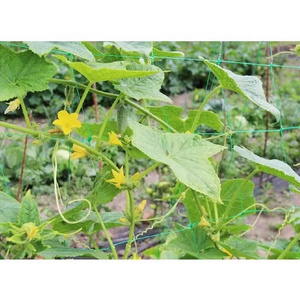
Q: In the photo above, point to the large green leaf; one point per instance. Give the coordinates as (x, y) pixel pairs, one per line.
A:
(145, 87)
(172, 115)
(29, 211)
(23, 72)
(76, 48)
(103, 191)
(271, 166)
(9, 208)
(247, 86)
(186, 154)
(106, 71)
(239, 247)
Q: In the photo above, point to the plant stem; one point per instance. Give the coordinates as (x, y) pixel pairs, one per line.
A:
(83, 97)
(112, 247)
(147, 171)
(148, 113)
(82, 86)
(107, 117)
(208, 97)
(289, 247)
(19, 128)
(127, 178)
(25, 113)
(200, 208)
(216, 220)
(132, 223)
(93, 242)
(235, 195)
(68, 138)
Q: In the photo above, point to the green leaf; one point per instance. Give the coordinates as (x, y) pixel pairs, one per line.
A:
(193, 213)
(239, 247)
(281, 244)
(192, 240)
(103, 191)
(248, 86)
(76, 48)
(9, 208)
(167, 54)
(271, 166)
(87, 130)
(186, 154)
(13, 156)
(106, 71)
(29, 210)
(131, 48)
(172, 115)
(25, 72)
(244, 199)
(143, 88)
(61, 252)
(235, 229)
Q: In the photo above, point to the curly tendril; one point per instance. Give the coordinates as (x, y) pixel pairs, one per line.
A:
(57, 193)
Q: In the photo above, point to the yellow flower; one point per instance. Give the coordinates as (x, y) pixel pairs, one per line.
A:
(113, 139)
(140, 207)
(123, 220)
(118, 179)
(12, 106)
(204, 222)
(188, 132)
(79, 152)
(67, 121)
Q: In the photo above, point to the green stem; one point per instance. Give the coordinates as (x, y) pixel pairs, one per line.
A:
(112, 247)
(208, 97)
(235, 195)
(147, 171)
(148, 113)
(132, 223)
(107, 117)
(83, 97)
(127, 178)
(200, 208)
(145, 108)
(82, 86)
(216, 220)
(289, 247)
(25, 112)
(35, 133)
(93, 242)
(22, 129)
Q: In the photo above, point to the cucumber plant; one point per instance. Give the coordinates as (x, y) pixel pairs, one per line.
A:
(213, 209)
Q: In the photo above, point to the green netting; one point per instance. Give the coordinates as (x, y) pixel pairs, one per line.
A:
(227, 116)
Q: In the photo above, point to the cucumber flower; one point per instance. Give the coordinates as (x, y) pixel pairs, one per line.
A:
(118, 179)
(67, 121)
(79, 152)
(113, 139)
(12, 106)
